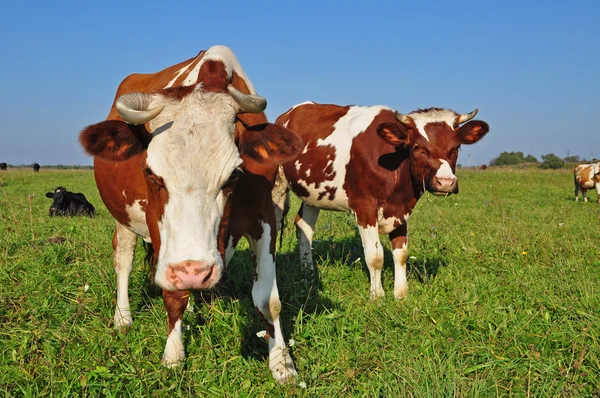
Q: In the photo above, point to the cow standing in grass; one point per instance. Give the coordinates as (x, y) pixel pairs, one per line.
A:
(376, 164)
(187, 160)
(36, 167)
(3, 166)
(586, 176)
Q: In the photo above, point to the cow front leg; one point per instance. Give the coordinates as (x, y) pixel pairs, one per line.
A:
(266, 300)
(399, 243)
(175, 304)
(584, 194)
(305, 228)
(374, 258)
(124, 242)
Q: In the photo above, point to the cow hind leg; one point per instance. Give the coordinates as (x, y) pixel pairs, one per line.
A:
(399, 243)
(266, 300)
(305, 228)
(584, 194)
(281, 198)
(576, 192)
(374, 258)
(124, 242)
(175, 303)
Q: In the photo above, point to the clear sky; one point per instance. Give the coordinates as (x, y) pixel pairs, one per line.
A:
(531, 67)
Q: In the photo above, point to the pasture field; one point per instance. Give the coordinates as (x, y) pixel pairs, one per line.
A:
(504, 300)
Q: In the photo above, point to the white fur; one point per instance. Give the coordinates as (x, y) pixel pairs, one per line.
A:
(373, 257)
(305, 228)
(266, 298)
(193, 151)
(182, 71)
(174, 351)
(348, 127)
(125, 250)
(400, 283)
(445, 171)
(434, 115)
(137, 218)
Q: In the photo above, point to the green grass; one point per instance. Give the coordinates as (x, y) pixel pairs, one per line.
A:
(504, 291)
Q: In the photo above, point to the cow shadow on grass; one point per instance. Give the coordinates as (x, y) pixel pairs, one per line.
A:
(296, 295)
(349, 251)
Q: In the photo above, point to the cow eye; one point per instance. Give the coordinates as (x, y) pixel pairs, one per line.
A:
(233, 178)
(156, 180)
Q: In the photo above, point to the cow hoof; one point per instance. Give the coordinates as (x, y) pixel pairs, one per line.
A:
(376, 294)
(281, 365)
(401, 292)
(173, 360)
(123, 319)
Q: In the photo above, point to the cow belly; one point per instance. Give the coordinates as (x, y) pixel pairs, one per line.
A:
(325, 197)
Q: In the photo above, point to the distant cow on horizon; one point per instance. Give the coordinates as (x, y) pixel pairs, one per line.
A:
(36, 167)
(483, 167)
(69, 204)
(586, 176)
(3, 166)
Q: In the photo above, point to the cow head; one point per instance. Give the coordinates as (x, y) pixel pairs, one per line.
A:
(59, 201)
(191, 166)
(433, 137)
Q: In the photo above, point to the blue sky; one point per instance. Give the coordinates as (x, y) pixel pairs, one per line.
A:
(530, 67)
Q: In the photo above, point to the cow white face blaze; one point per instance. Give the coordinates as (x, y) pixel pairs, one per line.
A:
(433, 138)
(191, 157)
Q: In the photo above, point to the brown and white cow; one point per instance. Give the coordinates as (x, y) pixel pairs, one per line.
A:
(376, 164)
(586, 176)
(187, 160)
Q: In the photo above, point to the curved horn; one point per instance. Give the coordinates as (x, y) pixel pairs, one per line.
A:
(465, 117)
(404, 119)
(247, 102)
(134, 108)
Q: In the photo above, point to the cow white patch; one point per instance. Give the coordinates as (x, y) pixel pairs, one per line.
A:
(348, 127)
(374, 258)
(194, 153)
(174, 351)
(137, 218)
(182, 71)
(388, 224)
(400, 284)
(445, 171)
(224, 54)
(229, 250)
(421, 119)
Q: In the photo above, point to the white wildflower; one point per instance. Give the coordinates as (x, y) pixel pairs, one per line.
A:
(261, 334)
(302, 384)
(86, 288)
(291, 342)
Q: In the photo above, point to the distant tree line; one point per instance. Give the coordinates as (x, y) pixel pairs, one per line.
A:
(549, 161)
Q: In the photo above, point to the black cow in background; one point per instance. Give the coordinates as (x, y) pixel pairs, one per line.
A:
(69, 204)
(3, 166)
(36, 167)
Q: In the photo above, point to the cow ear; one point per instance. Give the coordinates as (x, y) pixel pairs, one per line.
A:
(269, 143)
(473, 131)
(393, 134)
(114, 140)
(50, 195)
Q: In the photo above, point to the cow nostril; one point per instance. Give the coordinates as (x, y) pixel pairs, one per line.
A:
(208, 275)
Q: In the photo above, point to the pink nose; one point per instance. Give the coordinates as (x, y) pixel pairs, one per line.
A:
(192, 275)
(445, 184)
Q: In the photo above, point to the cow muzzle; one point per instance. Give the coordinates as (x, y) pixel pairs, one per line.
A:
(193, 274)
(444, 185)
